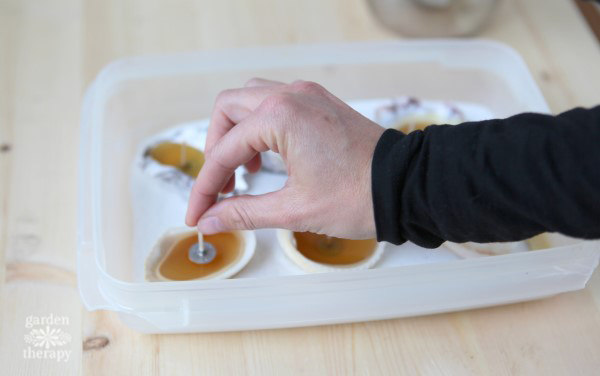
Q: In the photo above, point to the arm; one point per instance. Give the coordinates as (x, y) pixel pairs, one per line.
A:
(488, 181)
(497, 180)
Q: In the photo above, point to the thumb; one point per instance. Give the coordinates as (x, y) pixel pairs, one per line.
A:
(248, 212)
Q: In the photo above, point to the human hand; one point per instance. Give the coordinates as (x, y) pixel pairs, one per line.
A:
(327, 148)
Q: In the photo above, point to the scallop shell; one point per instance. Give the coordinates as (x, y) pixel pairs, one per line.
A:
(288, 243)
(165, 242)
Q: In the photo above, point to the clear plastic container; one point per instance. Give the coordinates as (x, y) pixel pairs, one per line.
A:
(135, 98)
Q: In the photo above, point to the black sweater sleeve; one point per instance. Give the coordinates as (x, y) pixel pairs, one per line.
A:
(490, 181)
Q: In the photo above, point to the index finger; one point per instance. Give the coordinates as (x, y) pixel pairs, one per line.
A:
(233, 105)
(234, 149)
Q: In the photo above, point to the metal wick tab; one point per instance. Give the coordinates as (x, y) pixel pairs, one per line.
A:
(204, 254)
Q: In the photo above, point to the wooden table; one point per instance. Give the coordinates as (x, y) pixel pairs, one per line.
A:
(50, 50)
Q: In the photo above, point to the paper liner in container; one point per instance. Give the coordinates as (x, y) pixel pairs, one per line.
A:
(273, 162)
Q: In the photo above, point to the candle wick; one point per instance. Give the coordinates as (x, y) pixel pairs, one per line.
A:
(328, 241)
(200, 243)
(182, 154)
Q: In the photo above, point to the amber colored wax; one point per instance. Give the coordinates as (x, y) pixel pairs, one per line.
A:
(413, 126)
(333, 251)
(187, 159)
(177, 266)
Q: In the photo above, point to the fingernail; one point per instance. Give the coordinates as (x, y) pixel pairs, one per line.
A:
(211, 225)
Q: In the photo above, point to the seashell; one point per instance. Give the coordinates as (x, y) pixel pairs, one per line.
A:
(408, 114)
(169, 261)
(319, 253)
(471, 249)
(180, 156)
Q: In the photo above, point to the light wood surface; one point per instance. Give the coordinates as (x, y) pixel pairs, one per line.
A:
(50, 50)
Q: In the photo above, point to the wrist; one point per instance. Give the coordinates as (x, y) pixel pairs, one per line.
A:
(386, 185)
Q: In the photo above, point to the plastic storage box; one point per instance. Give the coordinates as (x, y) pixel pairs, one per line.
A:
(135, 98)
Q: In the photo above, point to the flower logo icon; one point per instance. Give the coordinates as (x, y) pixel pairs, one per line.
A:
(48, 337)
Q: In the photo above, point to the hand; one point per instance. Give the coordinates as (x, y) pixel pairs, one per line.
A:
(327, 148)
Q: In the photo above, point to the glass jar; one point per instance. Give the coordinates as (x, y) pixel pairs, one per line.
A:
(434, 18)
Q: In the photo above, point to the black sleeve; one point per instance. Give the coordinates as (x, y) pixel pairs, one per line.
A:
(490, 181)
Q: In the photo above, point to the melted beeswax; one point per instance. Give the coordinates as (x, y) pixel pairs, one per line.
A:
(176, 265)
(185, 158)
(333, 251)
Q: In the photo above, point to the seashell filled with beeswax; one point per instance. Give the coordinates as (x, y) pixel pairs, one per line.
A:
(471, 249)
(321, 253)
(169, 259)
(184, 158)
(408, 114)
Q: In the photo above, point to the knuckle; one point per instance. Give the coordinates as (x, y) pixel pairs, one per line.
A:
(306, 87)
(277, 102)
(253, 81)
(217, 157)
(223, 96)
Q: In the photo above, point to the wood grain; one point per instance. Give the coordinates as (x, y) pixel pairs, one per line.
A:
(50, 50)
